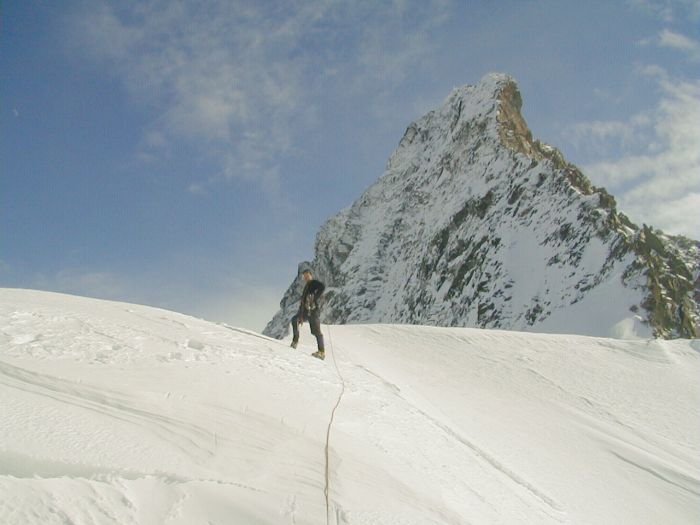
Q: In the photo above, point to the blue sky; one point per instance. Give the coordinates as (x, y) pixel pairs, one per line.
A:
(183, 154)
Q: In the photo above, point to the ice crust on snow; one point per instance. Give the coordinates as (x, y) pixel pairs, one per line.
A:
(118, 413)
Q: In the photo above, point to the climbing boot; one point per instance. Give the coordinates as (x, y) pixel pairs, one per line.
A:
(294, 344)
(321, 354)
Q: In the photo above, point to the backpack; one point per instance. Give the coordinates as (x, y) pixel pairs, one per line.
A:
(314, 298)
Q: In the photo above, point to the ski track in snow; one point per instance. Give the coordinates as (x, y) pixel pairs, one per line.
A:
(490, 476)
(115, 413)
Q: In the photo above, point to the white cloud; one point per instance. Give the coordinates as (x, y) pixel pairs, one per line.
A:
(677, 41)
(668, 10)
(656, 172)
(678, 215)
(668, 38)
(102, 34)
(600, 134)
(196, 189)
(240, 79)
(211, 75)
(155, 140)
(660, 9)
(661, 185)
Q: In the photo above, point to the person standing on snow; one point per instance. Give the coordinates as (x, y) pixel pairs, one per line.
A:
(310, 309)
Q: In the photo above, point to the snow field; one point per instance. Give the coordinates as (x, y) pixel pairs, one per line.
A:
(117, 413)
(586, 430)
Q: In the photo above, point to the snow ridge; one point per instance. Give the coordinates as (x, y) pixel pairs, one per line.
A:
(475, 224)
(117, 413)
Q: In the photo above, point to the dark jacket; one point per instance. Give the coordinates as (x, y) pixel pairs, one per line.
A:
(311, 298)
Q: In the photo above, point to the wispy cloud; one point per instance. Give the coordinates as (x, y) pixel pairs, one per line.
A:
(677, 41)
(669, 38)
(241, 80)
(668, 10)
(653, 158)
(196, 189)
(214, 74)
(608, 135)
(662, 183)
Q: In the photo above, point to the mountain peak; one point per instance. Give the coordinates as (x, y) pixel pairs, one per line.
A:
(474, 223)
(489, 87)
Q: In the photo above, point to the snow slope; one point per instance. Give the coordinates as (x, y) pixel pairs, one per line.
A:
(116, 413)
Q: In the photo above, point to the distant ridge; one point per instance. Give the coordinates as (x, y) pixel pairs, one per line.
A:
(476, 224)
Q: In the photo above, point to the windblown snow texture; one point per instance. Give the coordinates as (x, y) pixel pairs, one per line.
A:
(476, 224)
(115, 413)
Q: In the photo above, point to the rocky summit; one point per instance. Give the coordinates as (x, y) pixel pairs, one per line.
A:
(476, 224)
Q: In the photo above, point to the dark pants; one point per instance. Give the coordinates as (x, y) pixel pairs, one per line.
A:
(314, 323)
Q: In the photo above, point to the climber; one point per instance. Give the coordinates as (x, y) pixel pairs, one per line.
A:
(310, 309)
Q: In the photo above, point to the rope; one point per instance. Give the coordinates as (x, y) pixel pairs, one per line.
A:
(326, 490)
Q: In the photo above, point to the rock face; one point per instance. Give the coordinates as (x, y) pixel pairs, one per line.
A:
(476, 224)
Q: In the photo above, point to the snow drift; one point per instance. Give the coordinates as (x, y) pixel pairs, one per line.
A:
(116, 413)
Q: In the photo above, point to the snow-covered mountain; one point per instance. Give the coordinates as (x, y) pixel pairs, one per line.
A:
(113, 413)
(476, 224)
